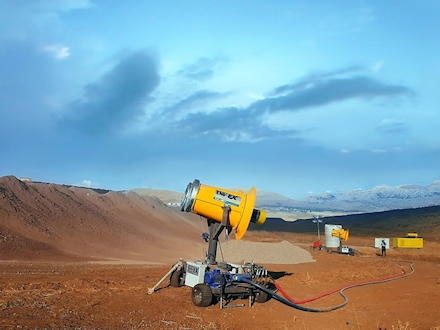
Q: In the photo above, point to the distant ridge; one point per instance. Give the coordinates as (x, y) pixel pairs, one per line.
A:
(376, 199)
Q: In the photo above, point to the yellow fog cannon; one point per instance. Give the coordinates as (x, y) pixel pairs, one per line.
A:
(341, 233)
(223, 281)
(208, 201)
(223, 209)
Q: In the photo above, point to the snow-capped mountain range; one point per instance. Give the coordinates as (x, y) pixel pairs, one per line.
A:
(379, 198)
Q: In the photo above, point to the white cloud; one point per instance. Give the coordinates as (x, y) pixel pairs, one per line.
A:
(65, 5)
(240, 137)
(389, 122)
(255, 96)
(378, 151)
(87, 184)
(345, 151)
(376, 67)
(58, 51)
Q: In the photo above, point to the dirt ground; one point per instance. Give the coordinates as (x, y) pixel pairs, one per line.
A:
(86, 295)
(77, 258)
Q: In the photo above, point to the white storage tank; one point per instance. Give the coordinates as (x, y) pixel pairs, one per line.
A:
(330, 241)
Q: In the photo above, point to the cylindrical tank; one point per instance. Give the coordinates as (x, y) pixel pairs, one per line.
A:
(330, 241)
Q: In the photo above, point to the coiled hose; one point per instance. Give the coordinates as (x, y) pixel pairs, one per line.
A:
(297, 304)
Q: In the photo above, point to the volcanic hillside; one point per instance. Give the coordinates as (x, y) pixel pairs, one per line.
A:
(41, 221)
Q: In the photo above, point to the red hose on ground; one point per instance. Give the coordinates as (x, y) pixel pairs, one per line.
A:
(300, 302)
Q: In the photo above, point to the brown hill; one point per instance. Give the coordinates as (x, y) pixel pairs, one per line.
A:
(41, 221)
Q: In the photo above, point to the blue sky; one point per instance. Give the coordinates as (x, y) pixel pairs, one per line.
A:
(293, 97)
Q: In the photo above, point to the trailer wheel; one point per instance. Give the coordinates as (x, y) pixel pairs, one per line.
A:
(201, 295)
(176, 278)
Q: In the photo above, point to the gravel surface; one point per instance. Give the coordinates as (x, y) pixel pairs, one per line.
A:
(263, 252)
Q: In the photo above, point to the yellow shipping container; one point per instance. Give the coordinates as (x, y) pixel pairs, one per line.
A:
(410, 243)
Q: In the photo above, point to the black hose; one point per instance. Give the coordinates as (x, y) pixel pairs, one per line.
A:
(287, 302)
(341, 292)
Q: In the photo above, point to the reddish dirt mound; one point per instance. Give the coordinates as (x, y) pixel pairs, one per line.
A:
(40, 221)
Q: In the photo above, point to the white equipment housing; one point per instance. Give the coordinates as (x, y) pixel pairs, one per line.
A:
(195, 273)
(345, 249)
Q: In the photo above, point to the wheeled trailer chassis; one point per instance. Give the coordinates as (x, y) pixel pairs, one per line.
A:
(221, 283)
(202, 295)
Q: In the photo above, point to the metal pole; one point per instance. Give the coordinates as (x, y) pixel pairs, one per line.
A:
(319, 235)
(176, 265)
(214, 227)
(317, 220)
(215, 230)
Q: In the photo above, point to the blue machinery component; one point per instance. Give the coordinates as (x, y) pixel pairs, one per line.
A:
(216, 278)
(220, 283)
